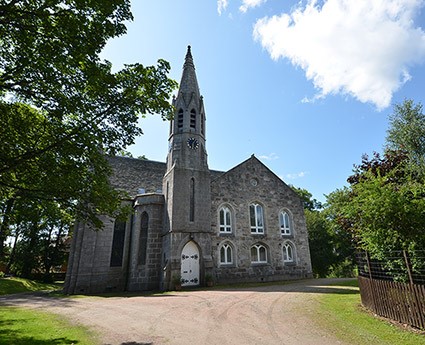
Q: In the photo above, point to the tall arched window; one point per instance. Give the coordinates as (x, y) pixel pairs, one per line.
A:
(193, 118)
(180, 119)
(288, 253)
(258, 254)
(117, 249)
(192, 200)
(143, 241)
(285, 223)
(226, 254)
(257, 218)
(225, 217)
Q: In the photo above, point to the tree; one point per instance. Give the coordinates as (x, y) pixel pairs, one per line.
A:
(63, 109)
(331, 249)
(407, 131)
(384, 206)
(307, 199)
(40, 231)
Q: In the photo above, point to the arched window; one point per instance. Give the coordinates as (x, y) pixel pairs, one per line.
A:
(192, 200)
(117, 249)
(226, 254)
(180, 119)
(285, 223)
(193, 118)
(225, 217)
(288, 253)
(143, 242)
(258, 254)
(257, 218)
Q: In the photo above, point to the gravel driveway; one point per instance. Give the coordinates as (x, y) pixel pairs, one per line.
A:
(279, 314)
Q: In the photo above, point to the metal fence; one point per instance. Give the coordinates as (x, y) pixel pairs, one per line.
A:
(394, 287)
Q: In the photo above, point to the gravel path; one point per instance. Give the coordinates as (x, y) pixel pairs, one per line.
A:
(279, 314)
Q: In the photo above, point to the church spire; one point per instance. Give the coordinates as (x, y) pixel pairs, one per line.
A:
(189, 83)
(187, 130)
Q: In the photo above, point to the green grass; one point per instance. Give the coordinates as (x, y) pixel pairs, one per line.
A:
(344, 316)
(29, 327)
(17, 285)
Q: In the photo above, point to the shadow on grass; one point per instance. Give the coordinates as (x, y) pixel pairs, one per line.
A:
(9, 336)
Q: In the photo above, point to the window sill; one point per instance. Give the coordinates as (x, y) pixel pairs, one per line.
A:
(256, 264)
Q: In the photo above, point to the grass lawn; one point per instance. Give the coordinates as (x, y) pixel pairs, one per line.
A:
(16, 285)
(343, 314)
(29, 327)
(21, 326)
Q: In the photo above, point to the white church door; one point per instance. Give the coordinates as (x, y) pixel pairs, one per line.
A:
(190, 265)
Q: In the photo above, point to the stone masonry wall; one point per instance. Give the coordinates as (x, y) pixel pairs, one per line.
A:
(252, 182)
(146, 274)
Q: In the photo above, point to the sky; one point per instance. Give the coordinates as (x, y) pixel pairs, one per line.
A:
(306, 86)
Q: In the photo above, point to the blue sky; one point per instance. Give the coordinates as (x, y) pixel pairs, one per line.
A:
(306, 86)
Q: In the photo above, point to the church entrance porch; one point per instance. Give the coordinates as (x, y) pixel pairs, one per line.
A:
(190, 265)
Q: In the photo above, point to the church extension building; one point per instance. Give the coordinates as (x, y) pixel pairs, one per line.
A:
(190, 222)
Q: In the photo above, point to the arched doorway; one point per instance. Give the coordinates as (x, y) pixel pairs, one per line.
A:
(190, 264)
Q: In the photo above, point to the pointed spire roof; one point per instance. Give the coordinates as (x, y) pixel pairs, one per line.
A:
(189, 83)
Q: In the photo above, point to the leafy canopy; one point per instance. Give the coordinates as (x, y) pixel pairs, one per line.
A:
(384, 206)
(63, 109)
(61, 106)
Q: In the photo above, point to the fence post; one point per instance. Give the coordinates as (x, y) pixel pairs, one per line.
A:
(372, 282)
(419, 317)
(409, 271)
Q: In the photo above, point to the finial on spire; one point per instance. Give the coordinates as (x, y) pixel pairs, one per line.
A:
(189, 58)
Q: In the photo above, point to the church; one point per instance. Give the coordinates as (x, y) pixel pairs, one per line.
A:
(190, 224)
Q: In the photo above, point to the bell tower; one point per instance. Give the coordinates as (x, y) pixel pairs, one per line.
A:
(187, 129)
(186, 186)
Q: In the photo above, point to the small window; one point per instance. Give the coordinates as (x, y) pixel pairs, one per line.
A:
(226, 254)
(257, 219)
(180, 119)
(285, 223)
(193, 118)
(258, 254)
(203, 124)
(288, 253)
(225, 220)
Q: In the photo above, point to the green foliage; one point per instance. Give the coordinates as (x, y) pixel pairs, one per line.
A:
(16, 285)
(62, 109)
(307, 199)
(29, 327)
(320, 242)
(331, 250)
(407, 131)
(384, 206)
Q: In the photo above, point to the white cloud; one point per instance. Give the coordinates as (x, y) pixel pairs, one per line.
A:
(247, 4)
(221, 6)
(361, 48)
(295, 175)
(270, 157)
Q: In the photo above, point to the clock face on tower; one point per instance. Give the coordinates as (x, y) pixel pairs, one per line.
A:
(192, 143)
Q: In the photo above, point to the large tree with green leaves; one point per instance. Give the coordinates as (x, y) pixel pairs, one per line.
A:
(384, 206)
(63, 109)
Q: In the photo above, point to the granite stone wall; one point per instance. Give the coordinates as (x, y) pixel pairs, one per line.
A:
(252, 182)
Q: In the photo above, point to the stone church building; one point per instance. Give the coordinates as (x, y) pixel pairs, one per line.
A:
(191, 223)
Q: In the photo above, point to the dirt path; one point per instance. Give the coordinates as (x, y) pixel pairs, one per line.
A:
(280, 314)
